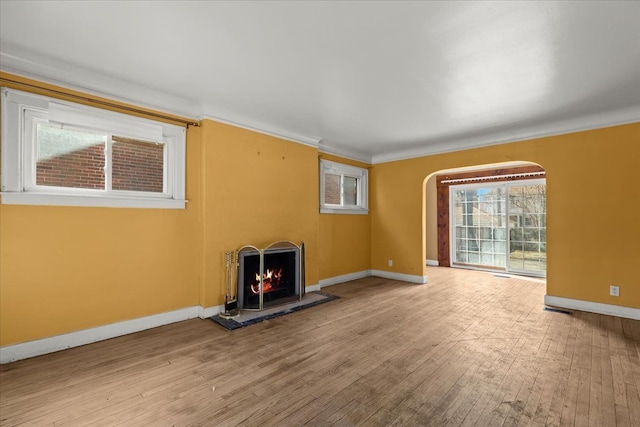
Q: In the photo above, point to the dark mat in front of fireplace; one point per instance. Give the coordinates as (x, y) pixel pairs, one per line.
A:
(247, 318)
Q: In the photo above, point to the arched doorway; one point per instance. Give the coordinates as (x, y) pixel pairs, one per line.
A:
(489, 217)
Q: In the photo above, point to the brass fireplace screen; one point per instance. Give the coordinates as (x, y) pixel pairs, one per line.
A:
(262, 278)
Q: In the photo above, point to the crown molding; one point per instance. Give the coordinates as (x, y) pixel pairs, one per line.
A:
(52, 71)
(311, 142)
(49, 70)
(345, 153)
(562, 127)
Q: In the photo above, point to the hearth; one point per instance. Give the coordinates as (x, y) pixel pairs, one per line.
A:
(270, 276)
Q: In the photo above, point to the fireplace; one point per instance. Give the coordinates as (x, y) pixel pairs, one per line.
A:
(271, 276)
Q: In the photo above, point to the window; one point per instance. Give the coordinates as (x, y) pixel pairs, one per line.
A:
(343, 188)
(59, 153)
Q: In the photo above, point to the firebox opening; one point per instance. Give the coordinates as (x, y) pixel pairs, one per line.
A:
(279, 278)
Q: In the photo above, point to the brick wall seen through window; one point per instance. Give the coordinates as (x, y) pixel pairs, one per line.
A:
(69, 158)
(331, 189)
(137, 165)
(76, 159)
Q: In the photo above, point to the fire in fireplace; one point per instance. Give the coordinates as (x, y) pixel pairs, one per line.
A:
(271, 281)
(268, 277)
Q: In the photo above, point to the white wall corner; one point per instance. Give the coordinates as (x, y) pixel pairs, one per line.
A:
(400, 276)
(593, 307)
(344, 278)
(205, 313)
(13, 352)
(432, 262)
(312, 288)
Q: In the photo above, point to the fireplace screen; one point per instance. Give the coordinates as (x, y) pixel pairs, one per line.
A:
(268, 277)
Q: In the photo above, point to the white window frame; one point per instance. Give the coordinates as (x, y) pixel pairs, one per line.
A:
(362, 177)
(20, 112)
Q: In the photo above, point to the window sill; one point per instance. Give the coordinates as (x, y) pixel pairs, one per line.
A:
(110, 201)
(347, 211)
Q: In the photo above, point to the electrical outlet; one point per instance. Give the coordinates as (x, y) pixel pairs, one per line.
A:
(614, 291)
(390, 263)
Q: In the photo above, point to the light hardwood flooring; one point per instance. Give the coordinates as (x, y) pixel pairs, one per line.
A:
(469, 348)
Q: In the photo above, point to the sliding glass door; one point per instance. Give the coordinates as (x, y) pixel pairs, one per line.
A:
(500, 226)
(528, 228)
(480, 226)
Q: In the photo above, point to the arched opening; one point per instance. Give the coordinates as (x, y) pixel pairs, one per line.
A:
(487, 217)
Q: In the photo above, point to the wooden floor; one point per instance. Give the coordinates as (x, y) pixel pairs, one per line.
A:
(469, 348)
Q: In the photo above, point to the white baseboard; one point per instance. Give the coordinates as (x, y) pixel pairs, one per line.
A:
(368, 273)
(312, 288)
(400, 276)
(205, 313)
(344, 278)
(433, 262)
(593, 307)
(11, 353)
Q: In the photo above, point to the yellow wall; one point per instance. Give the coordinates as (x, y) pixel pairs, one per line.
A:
(64, 269)
(431, 220)
(67, 268)
(257, 189)
(592, 186)
(345, 239)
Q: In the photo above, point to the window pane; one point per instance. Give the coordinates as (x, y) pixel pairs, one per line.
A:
(516, 255)
(331, 189)
(486, 246)
(350, 191)
(137, 165)
(486, 259)
(485, 233)
(69, 158)
(461, 244)
(500, 247)
(468, 220)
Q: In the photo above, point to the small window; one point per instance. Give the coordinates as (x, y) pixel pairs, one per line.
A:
(343, 188)
(60, 153)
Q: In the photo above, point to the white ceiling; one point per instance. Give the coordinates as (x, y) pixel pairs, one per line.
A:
(375, 81)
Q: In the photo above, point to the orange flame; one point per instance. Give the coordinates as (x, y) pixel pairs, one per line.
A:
(270, 280)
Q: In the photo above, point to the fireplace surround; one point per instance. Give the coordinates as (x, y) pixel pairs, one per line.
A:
(269, 276)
